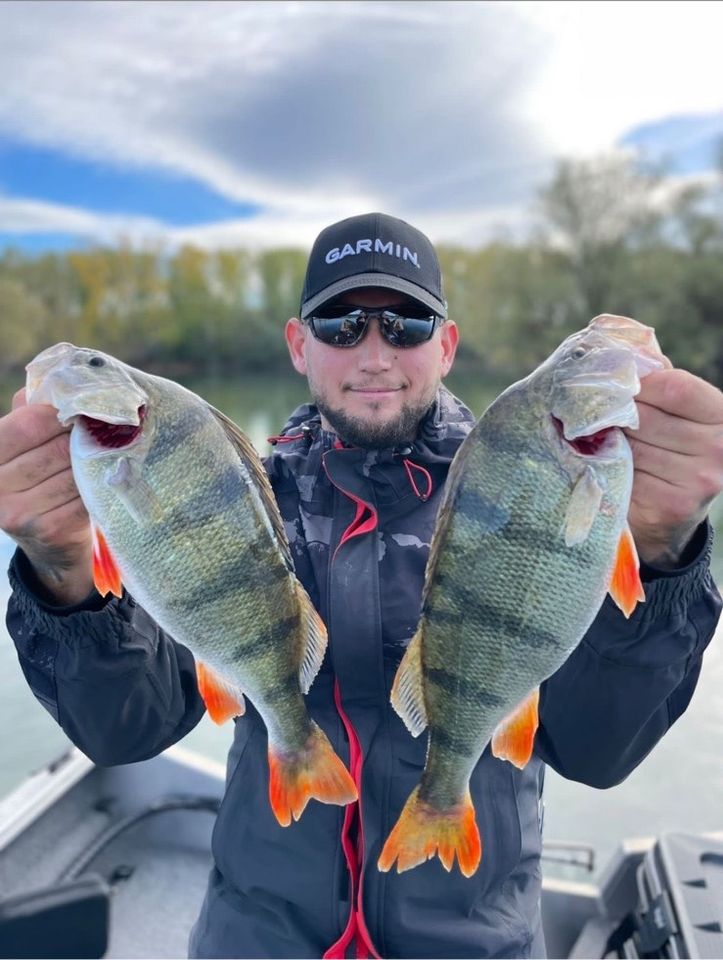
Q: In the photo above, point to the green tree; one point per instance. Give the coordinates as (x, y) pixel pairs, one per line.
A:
(597, 211)
(23, 318)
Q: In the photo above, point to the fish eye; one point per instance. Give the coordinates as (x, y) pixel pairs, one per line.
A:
(579, 352)
(96, 362)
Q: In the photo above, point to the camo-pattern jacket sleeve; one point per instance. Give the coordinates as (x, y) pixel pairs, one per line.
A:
(121, 689)
(628, 681)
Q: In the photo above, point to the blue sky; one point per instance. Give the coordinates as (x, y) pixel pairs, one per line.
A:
(256, 124)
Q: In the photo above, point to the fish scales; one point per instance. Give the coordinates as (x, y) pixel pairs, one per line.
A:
(189, 565)
(511, 587)
(187, 515)
(532, 526)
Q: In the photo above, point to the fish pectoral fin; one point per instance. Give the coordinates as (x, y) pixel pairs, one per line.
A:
(106, 575)
(515, 735)
(582, 509)
(134, 491)
(625, 587)
(223, 699)
(408, 690)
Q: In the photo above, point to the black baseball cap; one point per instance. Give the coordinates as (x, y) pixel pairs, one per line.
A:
(372, 250)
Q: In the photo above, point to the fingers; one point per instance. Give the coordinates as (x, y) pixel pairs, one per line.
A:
(29, 469)
(67, 523)
(19, 399)
(669, 432)
(19, 512)
(698, 470)
(26, 428)
(676, 469)
(657, 506)
(684, 395)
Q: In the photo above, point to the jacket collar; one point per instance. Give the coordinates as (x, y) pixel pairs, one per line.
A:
(440, 433)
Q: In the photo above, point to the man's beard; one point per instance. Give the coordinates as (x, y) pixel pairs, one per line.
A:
(360, 432)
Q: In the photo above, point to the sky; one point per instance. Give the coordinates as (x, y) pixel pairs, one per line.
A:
(231, 124)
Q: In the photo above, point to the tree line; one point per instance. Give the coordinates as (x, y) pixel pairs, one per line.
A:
(610, 238)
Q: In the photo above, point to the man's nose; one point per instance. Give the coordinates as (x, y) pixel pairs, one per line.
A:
(374, 353)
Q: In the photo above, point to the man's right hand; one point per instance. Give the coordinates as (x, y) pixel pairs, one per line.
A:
(40, 507)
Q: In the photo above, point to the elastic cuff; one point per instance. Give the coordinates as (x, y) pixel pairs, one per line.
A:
(670, 592)
(22, 577)
(694, 553)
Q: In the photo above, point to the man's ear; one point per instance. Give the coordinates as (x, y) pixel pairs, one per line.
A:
(449, 338)
(296, 342)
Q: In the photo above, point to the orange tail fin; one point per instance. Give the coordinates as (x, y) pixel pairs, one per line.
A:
(625, 586)
(314, 771)
(423, 831)
(106, 575)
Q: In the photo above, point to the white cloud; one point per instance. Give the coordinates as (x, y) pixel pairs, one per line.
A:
(284, 104)
(22, 215)
(446, 113)
(612, 66)
(269, 230)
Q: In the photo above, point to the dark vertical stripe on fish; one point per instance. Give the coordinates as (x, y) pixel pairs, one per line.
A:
(255, 569)
(222, 493)
(514, 532)
(259, 643)
(496, 621)
(175, 434)
(462, 688)
(445, 741)
(483, 512)
(285, 688)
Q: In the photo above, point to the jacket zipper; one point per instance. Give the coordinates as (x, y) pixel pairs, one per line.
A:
(356, 929)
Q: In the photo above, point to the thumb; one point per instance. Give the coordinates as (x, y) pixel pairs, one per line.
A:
(19, 399)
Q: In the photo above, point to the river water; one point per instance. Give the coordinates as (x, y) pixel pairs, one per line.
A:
(679, 786)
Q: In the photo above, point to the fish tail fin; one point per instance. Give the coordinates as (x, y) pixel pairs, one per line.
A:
(423, 831)
(314, 771)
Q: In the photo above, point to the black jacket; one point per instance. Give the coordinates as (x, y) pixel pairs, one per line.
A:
(360, 524)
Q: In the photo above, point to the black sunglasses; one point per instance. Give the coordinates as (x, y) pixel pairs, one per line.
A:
(345, 326)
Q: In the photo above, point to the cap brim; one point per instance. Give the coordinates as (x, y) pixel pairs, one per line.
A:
(374, 280)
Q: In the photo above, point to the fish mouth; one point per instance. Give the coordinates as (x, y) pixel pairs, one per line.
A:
(113, 436)
(599, 444)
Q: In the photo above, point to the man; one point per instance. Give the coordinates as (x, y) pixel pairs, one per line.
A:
(358, 477)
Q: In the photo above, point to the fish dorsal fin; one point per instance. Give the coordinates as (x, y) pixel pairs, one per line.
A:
(106, 575)
(251, 459)
(514, 736)
(314, 636)
(583, 508)
(223, 700)
(445, 513)
(408, 689)
(626, 588)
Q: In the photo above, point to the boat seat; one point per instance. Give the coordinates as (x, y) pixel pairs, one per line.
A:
(63, 921)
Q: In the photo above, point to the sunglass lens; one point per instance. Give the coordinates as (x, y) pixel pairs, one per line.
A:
(407, 331)
(341, 331)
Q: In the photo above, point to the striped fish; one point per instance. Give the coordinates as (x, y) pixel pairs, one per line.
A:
(531, 534)
(183, 514)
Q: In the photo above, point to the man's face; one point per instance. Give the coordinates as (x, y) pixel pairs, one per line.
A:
(372, 394)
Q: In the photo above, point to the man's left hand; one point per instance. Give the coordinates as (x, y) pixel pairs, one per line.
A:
(678, 461)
